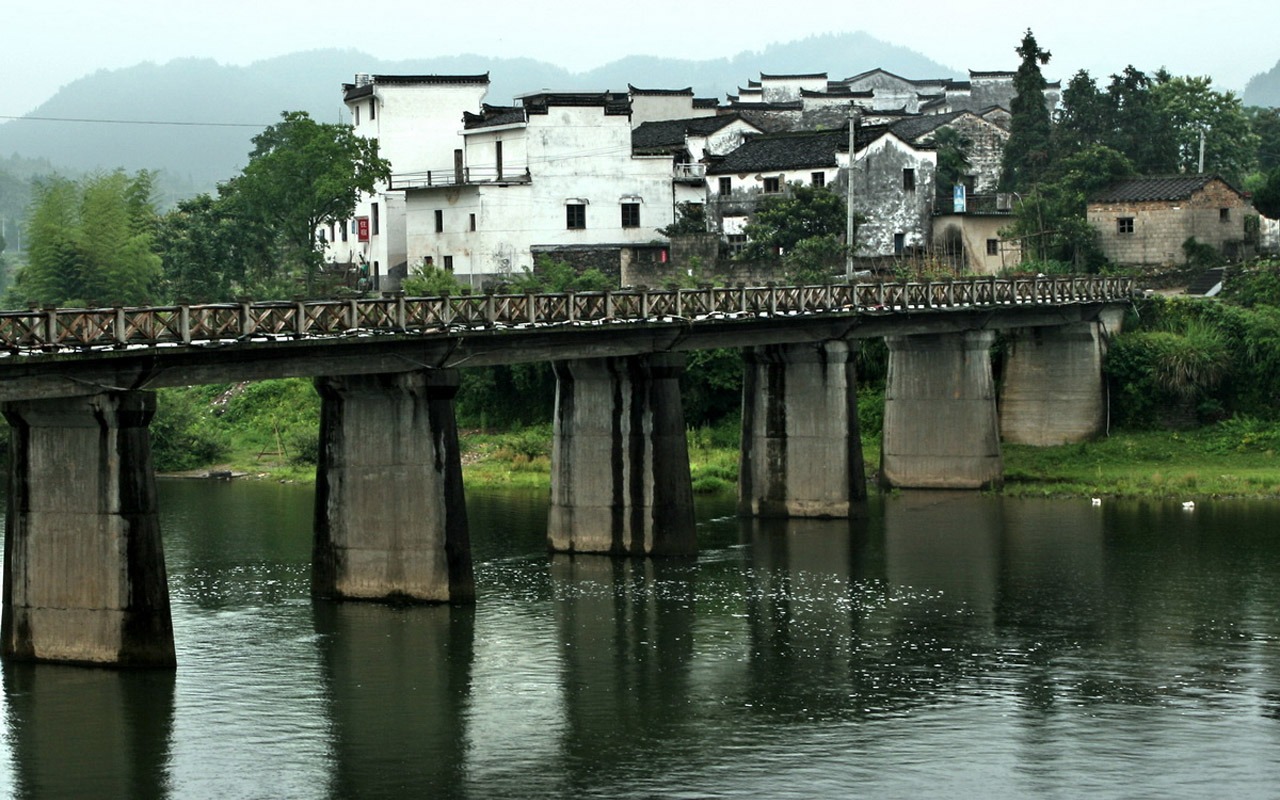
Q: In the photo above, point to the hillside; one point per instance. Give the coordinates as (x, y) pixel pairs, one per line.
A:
(1264, 89)
(234, 103)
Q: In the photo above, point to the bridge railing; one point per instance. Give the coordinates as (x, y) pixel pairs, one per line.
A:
(58, 329)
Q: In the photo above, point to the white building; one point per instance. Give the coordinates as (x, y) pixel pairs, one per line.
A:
(555, 173)
(415, 119)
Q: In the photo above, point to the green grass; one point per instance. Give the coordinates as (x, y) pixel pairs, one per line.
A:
(1232, 459)
(269, 429)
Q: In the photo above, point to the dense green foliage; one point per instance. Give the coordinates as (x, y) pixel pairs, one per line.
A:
(1029, 151)
(1190, 361)
(782, 221)
(90, 242)
(1051, 221)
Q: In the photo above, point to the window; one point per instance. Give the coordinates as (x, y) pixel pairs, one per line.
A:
(818, 179)
(737, 241)
(631, 215)
(899, 243)
(374, 221)
(373, 110)
(357, 110)
(1224, 215)
(575, 216)
(472, 221)
(993, 247)
(344, 230)
(726, 185)
(908, 180)
(448, 263)
(439, 221)
(1124, 225)
(772, 185)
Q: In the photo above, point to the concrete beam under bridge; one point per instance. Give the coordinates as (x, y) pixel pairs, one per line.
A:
(801, 448)
(391, 520)
(620, 462)
(1053, 392)
(940, 425)
(84, 575)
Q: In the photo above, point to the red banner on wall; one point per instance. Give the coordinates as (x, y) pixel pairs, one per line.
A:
(362, 229)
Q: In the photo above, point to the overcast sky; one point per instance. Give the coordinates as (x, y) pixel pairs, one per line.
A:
(45, 44)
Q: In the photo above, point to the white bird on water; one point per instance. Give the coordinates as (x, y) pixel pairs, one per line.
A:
(1097, 501)
(1189, 505)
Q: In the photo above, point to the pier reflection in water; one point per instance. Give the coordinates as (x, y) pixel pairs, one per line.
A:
(948, 644)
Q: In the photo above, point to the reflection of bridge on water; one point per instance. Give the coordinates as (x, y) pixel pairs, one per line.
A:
(84, 568)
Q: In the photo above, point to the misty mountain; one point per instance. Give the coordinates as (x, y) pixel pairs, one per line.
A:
(1263, 89)
(220, 108)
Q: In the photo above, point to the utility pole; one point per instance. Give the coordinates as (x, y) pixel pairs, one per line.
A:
(855, 117)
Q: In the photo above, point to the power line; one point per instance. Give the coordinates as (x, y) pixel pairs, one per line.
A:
(140, 122)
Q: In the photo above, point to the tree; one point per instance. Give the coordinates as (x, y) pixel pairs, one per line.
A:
(691, 218)
(1139, 127)
(782, 221)
(1051, 219)
(1195, 110)
(1266, 199)
(1265, 124)
(301, 175)
(1029, 150)
(1084, 118)
(90, 242)
(952, 147)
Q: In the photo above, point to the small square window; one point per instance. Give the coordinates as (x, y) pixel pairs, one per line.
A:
(575, 215)
(908, 180)
(772, 185)
(993, 247)
(1124, 225)
(1224, 215)
(818, 179)
(737, 241)
(726, 185)
(631, 215)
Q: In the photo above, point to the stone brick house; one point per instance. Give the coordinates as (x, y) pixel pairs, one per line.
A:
(1146, 220)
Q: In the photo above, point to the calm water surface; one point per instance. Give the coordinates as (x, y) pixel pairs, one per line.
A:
(949, 645)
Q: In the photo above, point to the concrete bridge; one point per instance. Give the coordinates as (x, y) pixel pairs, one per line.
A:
(84, 577)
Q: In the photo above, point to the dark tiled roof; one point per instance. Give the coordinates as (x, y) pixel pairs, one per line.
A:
(783, 151)
(974, 73)
(670, 133)
(912, 129)
(687, 91)
(706, 102)
(352, 91)
(805, 75)
(613, 103)
(837, 92)
(482, 78)
(493, 116)
(1156, 188)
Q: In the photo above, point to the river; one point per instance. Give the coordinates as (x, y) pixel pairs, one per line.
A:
(946, 645)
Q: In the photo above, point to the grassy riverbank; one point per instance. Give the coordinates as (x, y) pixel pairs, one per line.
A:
(1208, 462)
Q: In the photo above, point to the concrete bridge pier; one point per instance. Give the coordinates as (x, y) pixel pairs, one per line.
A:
(84, 575)
(391, 520)
(620, 462)
(801, 447)
(1053, 391)
(940, 425)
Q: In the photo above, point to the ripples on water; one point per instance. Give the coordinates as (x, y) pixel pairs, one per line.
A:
(946, 646)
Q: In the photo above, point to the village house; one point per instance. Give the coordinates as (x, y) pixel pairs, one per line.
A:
(415, 120)
(555, 174)
(1146, 220)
